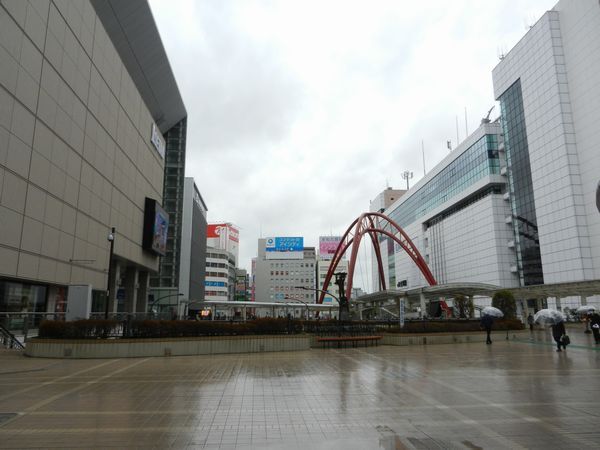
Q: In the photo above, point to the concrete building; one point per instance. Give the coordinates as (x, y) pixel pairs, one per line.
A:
(380, 204)
(282, 265)
(224, 236)
(220, 275)
(385, 199)
(241, 285)
(327, 248)
(192, 270)
(549, 91)
(85, 100)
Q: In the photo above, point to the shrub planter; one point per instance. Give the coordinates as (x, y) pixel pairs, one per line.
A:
(132, 348)
(447, 338)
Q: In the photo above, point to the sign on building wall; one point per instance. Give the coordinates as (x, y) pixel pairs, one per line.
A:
(158, 141)
(284, 248)
(223, 236)
(328, 245)
(156, 226)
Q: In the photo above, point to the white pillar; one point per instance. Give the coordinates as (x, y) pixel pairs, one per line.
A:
(423, 304)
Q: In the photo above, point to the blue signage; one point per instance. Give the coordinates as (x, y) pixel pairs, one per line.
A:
(285, 244)
(214, 283)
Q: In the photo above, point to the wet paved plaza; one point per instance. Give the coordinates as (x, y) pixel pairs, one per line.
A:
(517, 394)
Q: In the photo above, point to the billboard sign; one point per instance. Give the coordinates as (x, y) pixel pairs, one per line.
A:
(156, 226)
(284, 248)
(223, 230)
(328, 245)
(223, 236)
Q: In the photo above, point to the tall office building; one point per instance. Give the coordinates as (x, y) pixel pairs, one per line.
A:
(193, 246)
(515, 204)
(549, 91)
(85, 100)
(285, 270)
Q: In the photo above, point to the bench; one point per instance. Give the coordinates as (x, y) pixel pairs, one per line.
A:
(345, 339)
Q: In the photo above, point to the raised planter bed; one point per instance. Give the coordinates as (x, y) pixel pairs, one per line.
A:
(447, 338)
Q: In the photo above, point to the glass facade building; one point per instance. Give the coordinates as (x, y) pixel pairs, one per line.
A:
(175, 139)
(480, 160)
(527, 244)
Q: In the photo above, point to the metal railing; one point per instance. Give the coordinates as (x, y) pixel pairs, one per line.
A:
(9, 340)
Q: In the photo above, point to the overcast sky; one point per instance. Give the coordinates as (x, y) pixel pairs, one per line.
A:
(301, 112)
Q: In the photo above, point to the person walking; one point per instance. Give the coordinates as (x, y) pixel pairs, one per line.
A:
(595, 324)
(558, 331)
(486, 323)
(530, 321)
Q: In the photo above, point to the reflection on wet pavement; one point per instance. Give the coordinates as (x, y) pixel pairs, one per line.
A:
(512, 394)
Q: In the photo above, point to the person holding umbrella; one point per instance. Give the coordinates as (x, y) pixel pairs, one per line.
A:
(558, 333)
(557, 320)
(487, 320)
(594, 319)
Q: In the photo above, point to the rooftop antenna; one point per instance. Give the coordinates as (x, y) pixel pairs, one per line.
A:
(486, 119)
(457, 137)
(449, 145)
(423, 152)
(501, 53)
(466, 124)
(407, 176)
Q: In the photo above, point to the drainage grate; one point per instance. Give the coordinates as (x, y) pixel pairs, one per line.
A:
(5, 417)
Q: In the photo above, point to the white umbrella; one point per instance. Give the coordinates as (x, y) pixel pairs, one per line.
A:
(491, 311)
(548, 316)
(586, 309)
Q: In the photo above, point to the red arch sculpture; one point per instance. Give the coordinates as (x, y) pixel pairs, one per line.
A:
(373, 224)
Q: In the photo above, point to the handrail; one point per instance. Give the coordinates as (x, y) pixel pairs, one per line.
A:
(9, 340)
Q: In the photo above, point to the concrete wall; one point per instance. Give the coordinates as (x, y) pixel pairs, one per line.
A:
(75, 151)
(448, 338)
(131, 348)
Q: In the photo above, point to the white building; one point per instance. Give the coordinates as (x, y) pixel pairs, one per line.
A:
(327, 248)
(220, 275)
(548, 86)
(285, 271)
(224, 236)
(456, 217)
(514, 205)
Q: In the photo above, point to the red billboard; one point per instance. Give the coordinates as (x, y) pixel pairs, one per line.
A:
(220, 230)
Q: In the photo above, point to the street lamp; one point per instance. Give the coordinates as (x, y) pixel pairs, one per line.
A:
(180, 294)
(344, 314)
(318, 290)
(300, 301)
(111, 239)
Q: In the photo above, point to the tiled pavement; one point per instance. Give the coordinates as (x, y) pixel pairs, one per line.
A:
(517, 394)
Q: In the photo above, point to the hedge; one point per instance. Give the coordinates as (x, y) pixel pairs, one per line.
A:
(97, 329)
(78, 329)
(94, 329)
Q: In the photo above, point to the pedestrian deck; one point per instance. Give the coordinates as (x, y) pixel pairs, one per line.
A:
(511, 394)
